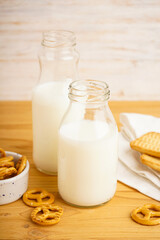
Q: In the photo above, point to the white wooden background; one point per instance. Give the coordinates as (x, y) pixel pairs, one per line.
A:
(118, 41)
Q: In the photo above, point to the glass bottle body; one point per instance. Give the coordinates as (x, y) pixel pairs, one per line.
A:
(87, 156)
(58, 62)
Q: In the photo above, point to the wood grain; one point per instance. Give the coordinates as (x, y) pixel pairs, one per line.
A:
(108, 222)
(118, 41)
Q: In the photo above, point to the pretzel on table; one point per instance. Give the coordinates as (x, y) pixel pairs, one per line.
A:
(46, 214)
(37, 197)
(148, 214)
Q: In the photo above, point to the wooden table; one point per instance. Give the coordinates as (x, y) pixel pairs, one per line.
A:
(110, 221)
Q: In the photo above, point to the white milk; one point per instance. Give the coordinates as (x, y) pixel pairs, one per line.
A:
(49, 103)
(87, 162)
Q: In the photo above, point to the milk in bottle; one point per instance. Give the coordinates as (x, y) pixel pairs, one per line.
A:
(58, 61)
(88, 141)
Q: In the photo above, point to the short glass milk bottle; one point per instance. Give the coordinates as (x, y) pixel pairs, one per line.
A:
(88, 154)
(58, 61)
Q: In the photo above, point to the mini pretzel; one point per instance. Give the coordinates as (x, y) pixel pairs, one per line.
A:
(6, 162)
(150, 214)
(47, 215)
(21, 164)
(7, 172)
(3, 154)
(36, 197)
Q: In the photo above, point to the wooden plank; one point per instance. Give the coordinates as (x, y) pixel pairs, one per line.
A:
(110, 221)
(118, 42)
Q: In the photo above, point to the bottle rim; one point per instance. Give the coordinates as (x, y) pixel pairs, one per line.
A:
(58, 38)
(89, 91)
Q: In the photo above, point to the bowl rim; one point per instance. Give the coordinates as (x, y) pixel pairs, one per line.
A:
(21, 175)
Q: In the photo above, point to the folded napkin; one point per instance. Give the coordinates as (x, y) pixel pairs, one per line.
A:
(130, 169)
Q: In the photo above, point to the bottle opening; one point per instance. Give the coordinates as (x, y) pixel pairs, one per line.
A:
(89, 91)
(59, 38)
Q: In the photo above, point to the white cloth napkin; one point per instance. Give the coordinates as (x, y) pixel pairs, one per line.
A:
(130, 170)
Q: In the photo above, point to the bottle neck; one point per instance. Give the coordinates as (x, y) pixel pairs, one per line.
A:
(89, 92)
(58, 39)
(58, 57)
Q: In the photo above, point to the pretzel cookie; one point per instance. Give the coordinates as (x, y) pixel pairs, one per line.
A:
(47, 214)
(37, 197)
(6, 172)
(6, 161)
(2, 152)
(149, 144)
(148, 214)
(151, 162)
(21, 164)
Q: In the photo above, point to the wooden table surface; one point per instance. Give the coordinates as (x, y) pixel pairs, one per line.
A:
(110, 221)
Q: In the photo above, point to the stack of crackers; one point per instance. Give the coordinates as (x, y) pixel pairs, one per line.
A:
(149, 146)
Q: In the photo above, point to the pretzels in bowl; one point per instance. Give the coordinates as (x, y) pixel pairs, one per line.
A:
(2, 152)
(6, 162)
(8, 167)
(21, 164)
(6, 172)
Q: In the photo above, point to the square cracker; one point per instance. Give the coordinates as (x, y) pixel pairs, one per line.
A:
(150, 161)
(149, 144)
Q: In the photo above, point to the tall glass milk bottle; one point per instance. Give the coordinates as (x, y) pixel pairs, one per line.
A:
(87, 155)
(58, 62)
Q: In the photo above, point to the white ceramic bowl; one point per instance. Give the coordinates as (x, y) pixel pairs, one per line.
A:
(12, 189)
